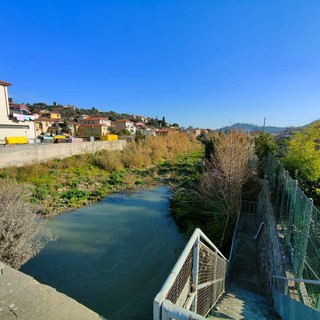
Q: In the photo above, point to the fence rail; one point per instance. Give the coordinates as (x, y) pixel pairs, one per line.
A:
(300, 222)
(195, 283)
(287, 286)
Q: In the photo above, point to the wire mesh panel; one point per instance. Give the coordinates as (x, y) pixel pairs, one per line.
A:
(212, 271)
(312, 260)
(300, 221)
(181, 280)
(207, 262)
(196, 281)
(206, 296)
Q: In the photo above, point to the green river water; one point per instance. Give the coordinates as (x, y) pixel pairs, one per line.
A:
(113, 256)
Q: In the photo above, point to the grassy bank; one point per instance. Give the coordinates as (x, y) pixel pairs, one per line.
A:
(61, 185)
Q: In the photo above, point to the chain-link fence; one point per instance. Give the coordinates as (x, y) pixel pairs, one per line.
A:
(300, 221)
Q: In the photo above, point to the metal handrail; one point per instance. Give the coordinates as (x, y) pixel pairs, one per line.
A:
(259, 230)
(313, 282)
(235, 231)
(192, 247)
(305, 298)
(171, 311)
(234, 235)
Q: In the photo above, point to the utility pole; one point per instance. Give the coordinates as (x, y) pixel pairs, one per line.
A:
(264, 123)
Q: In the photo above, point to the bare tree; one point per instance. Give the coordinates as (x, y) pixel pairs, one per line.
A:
(21, 235)
(224, 175)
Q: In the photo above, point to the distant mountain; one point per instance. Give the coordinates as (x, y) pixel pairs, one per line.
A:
(248, 127)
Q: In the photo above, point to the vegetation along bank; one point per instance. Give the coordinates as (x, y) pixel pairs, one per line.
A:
(45, 189)
(206, 186)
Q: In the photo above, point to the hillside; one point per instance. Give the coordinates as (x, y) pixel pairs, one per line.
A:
(253, 127)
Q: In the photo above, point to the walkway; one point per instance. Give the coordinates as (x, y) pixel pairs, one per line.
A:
(237, 304)
(23, 298)
(243, 298)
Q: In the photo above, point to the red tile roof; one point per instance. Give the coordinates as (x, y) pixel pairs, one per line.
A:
(5, 84)
(93, 125)
(42, 119)
(123, 120)
(95, 118)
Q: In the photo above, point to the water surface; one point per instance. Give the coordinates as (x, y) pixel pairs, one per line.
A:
(114, 256)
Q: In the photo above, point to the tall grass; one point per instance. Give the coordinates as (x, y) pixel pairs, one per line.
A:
(56, 182)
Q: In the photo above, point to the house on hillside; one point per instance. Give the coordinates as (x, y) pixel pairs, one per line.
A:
(70, 107)
(93, 127)
(16, 107)
(14, 124)
(145, 130)
(83, 116)
(96, 120)
(47, 126)
(53, 115)
(92, 130)
(162, 132)
(123, 124)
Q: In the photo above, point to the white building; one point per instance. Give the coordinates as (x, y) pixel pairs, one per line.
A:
(16, 125)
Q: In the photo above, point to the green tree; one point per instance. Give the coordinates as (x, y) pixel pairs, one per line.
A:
(264, 144)
(65, 127)
(124, 132)
(302, 157)
(153, 122)
(163, 122)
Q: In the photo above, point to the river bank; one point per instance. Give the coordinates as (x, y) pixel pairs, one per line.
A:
(63, 185)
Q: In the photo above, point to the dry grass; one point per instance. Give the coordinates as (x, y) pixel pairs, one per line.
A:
(95, 172)
(20, 234)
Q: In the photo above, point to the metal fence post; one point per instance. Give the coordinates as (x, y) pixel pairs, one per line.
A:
(294, 198)
(282, 196)
(304, 238)
(195, 273)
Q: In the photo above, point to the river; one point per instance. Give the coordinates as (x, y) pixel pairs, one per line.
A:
(113, 256)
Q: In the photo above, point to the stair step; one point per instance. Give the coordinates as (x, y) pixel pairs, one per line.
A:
(238, 304)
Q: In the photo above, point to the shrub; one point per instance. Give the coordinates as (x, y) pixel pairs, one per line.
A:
(74, 194)
(21, 235)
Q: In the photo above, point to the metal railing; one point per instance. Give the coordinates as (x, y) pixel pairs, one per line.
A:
(299, 219)
(195, 283)
(235, 233)
(295, 289)
(249, 206)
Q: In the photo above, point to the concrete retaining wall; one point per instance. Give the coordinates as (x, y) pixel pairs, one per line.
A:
(23, 298)
(21, 155)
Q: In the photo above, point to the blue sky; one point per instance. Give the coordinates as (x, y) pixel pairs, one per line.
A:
(205, 63)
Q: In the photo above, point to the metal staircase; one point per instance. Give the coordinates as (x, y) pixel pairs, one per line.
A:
(237, 303)
(244, 298)
(196, 288)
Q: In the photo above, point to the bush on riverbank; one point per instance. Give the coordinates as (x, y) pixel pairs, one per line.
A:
(20, 234)
(212, 203)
